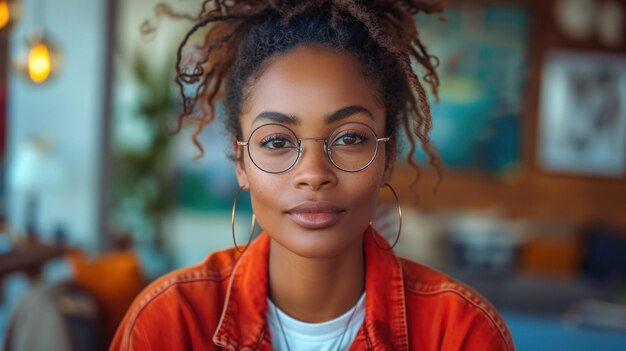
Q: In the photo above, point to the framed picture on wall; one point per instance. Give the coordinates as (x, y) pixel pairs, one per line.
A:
(482, 55)
(582, 114)
(481, 50)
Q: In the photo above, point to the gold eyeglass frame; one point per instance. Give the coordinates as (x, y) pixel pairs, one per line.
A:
(327, 149)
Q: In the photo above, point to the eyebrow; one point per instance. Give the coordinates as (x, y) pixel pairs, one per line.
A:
(293, 120)
(276, 117)
(347, 112)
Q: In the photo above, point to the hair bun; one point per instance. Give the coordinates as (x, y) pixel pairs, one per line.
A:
(411, 6)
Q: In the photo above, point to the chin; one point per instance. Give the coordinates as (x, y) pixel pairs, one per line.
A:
(318, 243)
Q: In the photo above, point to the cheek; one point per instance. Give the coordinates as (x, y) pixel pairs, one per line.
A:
(263, 190)
(363, 188)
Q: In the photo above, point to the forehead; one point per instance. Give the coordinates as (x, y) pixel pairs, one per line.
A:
(311, 83)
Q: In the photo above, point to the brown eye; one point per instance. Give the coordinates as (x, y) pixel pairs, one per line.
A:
(349, 138)
(276, 142)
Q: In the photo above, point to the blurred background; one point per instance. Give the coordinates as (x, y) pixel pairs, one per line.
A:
(96, 200)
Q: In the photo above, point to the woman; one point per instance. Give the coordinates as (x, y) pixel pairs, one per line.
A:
(317, 95)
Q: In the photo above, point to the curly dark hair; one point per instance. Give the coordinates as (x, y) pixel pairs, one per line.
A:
(244, 34)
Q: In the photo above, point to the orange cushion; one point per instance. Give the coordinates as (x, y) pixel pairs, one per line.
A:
(114, 279)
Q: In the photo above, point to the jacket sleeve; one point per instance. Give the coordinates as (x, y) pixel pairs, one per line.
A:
(146, 325)
(129, 337)
(157, 322)
(477, 329)
(452, 317)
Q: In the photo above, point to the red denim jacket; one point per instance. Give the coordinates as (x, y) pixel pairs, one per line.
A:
(221, 304)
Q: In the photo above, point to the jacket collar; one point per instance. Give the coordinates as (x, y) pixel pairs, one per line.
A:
(243, 323)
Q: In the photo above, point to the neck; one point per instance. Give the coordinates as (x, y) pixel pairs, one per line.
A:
(298, 284)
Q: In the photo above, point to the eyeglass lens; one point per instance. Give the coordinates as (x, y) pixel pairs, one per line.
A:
(275, 148)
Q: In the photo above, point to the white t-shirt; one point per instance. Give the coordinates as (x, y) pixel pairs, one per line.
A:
(323, 336)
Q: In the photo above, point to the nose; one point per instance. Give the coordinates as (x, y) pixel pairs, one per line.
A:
(314, 170)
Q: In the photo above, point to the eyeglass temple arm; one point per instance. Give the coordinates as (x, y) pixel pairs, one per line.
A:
(242, 143)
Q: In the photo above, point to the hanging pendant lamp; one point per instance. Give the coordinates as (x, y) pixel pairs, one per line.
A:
(42, 59)
(9, 13)
(5, 14)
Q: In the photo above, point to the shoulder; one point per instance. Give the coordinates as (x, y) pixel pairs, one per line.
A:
(213, 271)
(455, 310)
(196, 293)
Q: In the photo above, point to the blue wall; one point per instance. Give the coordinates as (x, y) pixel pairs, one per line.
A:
(67, 111)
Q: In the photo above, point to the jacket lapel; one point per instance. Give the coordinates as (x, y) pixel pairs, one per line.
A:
(385, 312)
(242, 323)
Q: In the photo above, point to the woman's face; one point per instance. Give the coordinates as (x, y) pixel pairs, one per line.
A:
(314, 209)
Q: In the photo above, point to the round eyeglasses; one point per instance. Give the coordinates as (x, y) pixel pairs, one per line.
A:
(274, 148)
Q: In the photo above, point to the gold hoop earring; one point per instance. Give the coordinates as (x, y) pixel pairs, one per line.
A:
(232, 222)
(388, 248)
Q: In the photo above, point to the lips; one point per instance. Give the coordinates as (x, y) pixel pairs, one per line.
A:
(315, 214)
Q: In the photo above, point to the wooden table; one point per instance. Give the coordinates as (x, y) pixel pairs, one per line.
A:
(28, 259)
